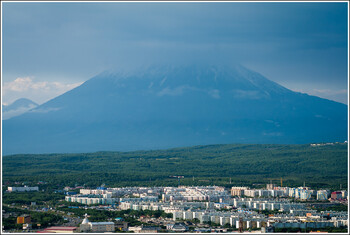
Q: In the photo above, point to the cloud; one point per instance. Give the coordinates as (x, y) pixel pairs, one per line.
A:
(44, 110)
(303, 42)
(39, 91)
(16, 112)
(27, 83)
(272, 134)
(339, 95)
(243, 94)
(19, 84)
(314, 91)
(175, 91)
(330, 92)
(214, 93)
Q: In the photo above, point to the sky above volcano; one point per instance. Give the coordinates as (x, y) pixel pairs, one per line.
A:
(49, 48)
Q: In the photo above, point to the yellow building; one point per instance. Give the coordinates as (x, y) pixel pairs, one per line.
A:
(238, 191)
(24, 219)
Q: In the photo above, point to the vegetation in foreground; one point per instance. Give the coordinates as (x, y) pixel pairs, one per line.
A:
(234, 164)
(38, 219)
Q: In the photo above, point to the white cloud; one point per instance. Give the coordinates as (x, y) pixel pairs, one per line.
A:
(16, 112)
(42, 110)
(339, 95)
(175, 91)
(38, 91)
(330, 92)
(214, 93)
(249, 94)
(27, 83)
(272, 133)
(19, 84)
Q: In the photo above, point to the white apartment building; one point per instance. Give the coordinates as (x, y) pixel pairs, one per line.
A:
(23, 189)
(251, 193)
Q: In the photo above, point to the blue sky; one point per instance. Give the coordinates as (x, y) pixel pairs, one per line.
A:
(49, 48)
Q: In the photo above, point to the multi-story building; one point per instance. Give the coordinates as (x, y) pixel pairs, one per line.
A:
(322, 195)
(23, 189)
(305, 194)
(265, 193)
(120, 224)
(344, 193)
(87, 226)
(24, 219)
(238, 191)
(336, 195)
(102, 226)
(270, 186)
(199, 193)
(91, 199)
(251, 193)
(177, 227)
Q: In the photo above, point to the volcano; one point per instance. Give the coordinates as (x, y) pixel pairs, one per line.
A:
(18, 107)
(171, 106)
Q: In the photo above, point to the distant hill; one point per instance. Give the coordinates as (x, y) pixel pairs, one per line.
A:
(247, 164)
(171, 106)
(17, 108)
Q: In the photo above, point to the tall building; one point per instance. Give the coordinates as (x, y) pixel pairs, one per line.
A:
(322, 195)
(305, 194)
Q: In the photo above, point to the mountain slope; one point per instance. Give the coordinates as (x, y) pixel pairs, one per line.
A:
(18, 107)
(161, 107)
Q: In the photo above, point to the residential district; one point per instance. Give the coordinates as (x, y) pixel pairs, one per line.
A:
(193, 209)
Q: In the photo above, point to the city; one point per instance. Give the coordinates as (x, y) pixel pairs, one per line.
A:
(174, 117)
(184, 209)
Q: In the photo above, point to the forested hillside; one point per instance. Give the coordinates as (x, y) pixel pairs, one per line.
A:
(243, 164)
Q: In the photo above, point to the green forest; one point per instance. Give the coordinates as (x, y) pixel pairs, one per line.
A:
(227, 165)
(45, 219)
